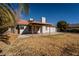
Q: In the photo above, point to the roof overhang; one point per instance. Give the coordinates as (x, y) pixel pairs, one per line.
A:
(40, 24)
(24, 22)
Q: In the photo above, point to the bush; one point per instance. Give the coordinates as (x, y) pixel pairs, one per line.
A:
(73, 31)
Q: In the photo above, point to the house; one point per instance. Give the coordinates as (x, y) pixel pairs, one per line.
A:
(33, 27)
(73, 26)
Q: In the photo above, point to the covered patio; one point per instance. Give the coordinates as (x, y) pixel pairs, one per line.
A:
(36, 27)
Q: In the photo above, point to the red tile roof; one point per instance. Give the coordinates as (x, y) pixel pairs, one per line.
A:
(22, 22)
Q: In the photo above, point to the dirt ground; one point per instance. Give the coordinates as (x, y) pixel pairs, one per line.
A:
(65, 44)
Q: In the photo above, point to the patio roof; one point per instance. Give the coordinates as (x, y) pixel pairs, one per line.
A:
(34, 23)
(40, 24)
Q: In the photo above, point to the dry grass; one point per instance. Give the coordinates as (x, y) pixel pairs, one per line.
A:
(65, 44)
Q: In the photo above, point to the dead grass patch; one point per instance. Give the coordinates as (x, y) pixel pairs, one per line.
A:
(53, 45)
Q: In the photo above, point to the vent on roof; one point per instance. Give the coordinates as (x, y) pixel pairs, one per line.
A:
(31, 19)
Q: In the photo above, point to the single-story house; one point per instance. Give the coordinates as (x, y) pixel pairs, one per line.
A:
(73, 26)
(33, 27)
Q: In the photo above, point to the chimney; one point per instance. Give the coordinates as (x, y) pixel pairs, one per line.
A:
(43, 20)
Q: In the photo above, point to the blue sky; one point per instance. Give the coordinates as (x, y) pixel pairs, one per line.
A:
(54, 12)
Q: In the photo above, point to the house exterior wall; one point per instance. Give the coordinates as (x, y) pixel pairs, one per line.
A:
(36, 29)
(39, 31)
(49, 29)
(53, 29)
(11, 30)
(43, 29)
(21, 30)
(46, 29)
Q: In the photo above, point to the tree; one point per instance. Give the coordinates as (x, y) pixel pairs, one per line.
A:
(62, 25)
(22, 7)
(8, 16)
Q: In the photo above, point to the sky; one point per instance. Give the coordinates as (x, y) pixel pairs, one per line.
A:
(53, 12)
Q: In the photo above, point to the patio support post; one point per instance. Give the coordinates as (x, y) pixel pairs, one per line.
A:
(32, 30)
(49, 30)
(35, 29)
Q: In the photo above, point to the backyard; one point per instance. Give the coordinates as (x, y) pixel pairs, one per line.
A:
(36, 45)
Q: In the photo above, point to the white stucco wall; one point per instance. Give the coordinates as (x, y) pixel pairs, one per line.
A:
(44, 29)
(53, 29)
(47, 29)
(39, 31)
(21, 30)
(12, 30)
